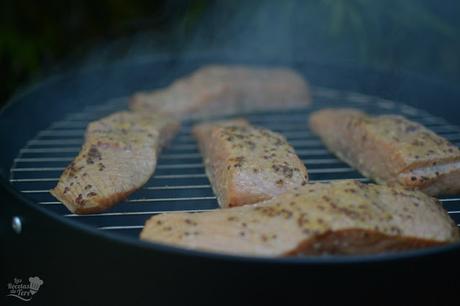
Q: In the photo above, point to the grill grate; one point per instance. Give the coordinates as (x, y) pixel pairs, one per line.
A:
(180, 183)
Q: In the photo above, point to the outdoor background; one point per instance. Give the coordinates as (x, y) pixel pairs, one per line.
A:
(38, 38)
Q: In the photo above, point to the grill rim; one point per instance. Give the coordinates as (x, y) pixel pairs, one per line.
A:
(152, 246)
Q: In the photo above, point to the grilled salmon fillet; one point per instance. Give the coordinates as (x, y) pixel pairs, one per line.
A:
(119, 156)
(391, 149)
(246, 164)
(219, 89)
(341, 217)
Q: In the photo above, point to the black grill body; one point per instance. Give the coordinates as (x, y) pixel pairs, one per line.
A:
(98, 260)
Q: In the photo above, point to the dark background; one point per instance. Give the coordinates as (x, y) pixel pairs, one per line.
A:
(38, 38)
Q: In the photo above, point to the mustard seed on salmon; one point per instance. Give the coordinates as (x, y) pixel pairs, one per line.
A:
(342, 217)
(391, 149)
(118, 156)
(246, 164)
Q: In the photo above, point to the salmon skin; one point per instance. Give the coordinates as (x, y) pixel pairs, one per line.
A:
(246, 164)
(118, 157)
(391, 149)
(342, 217)
(221, 90)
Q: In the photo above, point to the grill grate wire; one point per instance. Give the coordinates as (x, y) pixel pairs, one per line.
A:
(179, 182)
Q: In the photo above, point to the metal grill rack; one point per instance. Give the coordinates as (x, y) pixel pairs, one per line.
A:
(180, 183)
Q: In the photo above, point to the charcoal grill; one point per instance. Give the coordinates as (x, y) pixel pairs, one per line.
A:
(101, 257)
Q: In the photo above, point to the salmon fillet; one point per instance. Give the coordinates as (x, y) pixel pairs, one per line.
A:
(118, 157)
(246, 164)
(343, 217)
(219, 90)
(391, 149)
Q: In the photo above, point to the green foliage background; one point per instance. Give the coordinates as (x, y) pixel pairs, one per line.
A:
(419, 35)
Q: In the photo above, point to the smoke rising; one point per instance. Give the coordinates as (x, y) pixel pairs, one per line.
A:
(398, 38)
